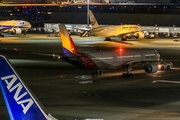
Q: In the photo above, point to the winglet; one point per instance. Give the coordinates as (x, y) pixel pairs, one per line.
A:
(67, 42)
(20, 102)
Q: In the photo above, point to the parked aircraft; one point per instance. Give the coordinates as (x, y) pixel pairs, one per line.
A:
(114, 31)
(20, 102)
(14, 27)
(117, 59)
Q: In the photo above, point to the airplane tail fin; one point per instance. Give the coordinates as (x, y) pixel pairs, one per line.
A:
(93, 20)
(20, 102)
(67, 42)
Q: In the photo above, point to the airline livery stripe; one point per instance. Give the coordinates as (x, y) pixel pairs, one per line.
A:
(4, 26)
(66, 43)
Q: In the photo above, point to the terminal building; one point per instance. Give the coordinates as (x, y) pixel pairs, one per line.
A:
(111, 1)
(146, 14)
(29, 1)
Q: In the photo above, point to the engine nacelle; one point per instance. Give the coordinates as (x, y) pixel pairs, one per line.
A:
(139, 35)
(16, 31)
(151, 68)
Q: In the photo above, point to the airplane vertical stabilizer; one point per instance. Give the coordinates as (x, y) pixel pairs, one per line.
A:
(93, 20)
(67, 43)
(20, 102)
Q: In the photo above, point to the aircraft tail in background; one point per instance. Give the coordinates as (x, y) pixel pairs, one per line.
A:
(93, 20)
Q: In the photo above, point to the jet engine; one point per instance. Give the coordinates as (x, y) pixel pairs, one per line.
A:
(16, 31)
(139, 35)
(151, 68)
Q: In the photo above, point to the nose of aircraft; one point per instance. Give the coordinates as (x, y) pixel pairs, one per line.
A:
(29, 25)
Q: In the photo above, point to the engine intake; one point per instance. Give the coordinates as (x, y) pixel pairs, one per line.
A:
(139, 35)
(151, 68)
(16, 31)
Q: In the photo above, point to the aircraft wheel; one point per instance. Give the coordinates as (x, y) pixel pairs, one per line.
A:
(127, 75)
(2, 35)
(100, 73)
(123, 39)
(130, 75)
(96, 73)
(123, 75)
(24, 33)
(168, 67)
(107, 39)
(93, 73)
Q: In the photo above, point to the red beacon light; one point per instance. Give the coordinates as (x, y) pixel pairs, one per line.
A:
(120, 49)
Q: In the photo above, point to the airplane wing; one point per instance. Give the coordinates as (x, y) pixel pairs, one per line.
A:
(51, 55)
(7, 28)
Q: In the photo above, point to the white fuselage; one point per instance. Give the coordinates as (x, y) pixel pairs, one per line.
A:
(21, 24)
(114, 31)
(116, 59)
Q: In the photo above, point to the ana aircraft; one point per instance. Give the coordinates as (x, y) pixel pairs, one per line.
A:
(97, 61)
(14, 27)
(114, 31)
(20, 102)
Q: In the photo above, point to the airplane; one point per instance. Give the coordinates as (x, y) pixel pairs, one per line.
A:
(121, 31)
(14, 27)
(20, 101)
(117, 59)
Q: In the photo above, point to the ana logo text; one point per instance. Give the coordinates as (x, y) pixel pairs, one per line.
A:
(22, 23)
(12, 86)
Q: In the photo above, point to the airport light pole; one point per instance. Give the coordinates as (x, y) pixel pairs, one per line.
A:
(87, 13)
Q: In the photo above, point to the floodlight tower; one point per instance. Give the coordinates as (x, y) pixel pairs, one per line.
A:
(87, 13)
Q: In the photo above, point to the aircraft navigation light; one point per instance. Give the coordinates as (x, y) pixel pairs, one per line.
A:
(120, 49)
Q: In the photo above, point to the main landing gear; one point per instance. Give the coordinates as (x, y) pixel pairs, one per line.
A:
(124, 38)
(97, 73)
(128, 74)
(108, 39)
(1, 34)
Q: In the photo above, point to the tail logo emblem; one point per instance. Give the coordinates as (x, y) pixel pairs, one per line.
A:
(11, 86)
(93, 21)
